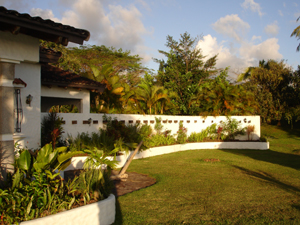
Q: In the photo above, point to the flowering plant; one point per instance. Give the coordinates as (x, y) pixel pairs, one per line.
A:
(181, 134)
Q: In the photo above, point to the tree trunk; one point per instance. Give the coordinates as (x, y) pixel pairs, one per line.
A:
(130, 158)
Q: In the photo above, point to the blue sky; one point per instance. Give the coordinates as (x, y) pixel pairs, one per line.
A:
(241, 32)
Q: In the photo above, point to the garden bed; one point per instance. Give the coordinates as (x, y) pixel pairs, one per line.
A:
(77, 162)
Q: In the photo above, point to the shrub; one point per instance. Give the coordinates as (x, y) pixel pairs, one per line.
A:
(35, 190)
(208, 133)
(161, 139)
(250, 129)
(158, 126)
(49, 123)
(231, 128)
(181, 134)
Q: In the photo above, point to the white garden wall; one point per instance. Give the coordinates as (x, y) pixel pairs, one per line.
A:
(76, 122)
(77, 162)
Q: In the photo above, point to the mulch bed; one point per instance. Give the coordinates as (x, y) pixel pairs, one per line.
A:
(134, 182)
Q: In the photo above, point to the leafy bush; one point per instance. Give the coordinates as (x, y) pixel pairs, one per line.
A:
(250, 129)
(232, 128)
(161, 139)
(181, 134)
(35, 190)
(49, 123)
(158, 126)
(208, 133)
(100, 140)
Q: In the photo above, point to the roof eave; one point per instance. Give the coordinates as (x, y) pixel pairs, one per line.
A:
(51, 31)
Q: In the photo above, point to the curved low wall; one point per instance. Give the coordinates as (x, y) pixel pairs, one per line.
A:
(98, 213)
(77, 162)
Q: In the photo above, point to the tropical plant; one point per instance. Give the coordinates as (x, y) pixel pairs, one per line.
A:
(50, 123)
(231, 128)
(148, 96)
(205, 134)
(181, 134)
(219, 97)
(158, 126)
(250, 129)
(296, 33)
(273, 85)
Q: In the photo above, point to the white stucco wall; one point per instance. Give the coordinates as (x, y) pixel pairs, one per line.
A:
(19, 47)
(59, 92)
(98, 213)
(31, 123)
(195, 123)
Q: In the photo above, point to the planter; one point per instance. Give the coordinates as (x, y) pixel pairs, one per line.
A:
(98, 213)
(77, 162)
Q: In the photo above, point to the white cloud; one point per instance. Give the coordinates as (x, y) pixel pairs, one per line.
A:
(231, 26)
(254, 38)
(238, 58)
(210, 47)
(109, 24)
(255, 7)
(45, 14)
(269, 49)
(272, 29)
(280, 13)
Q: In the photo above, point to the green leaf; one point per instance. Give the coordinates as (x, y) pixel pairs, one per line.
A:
(24, 160)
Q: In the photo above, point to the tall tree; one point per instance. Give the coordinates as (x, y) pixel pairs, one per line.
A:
(184, 71)
(272, 84)
(81, 60)
(219, 97)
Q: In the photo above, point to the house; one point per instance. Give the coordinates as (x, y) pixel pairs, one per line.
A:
(28, 86)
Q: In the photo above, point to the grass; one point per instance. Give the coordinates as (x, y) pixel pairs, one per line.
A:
(244, 187)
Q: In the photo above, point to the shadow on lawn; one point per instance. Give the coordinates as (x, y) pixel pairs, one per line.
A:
(119, 216)
(283, 159)
(279, 130)
(270, 179)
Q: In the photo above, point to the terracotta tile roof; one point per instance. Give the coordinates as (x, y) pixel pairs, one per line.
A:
(53, 76)
(48, 55)
(19, 81)
(15, 22)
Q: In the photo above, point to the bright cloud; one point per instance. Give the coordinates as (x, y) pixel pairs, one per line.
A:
(272, 29)
(232, 26)
(210, 47)
(254, 7)
(47, 14)
(254, 38)
(238, 58)
(109, 24)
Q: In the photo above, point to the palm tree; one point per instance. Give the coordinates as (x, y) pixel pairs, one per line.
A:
(247, 74)
(110, 101)
(148, 96)
(296, 33)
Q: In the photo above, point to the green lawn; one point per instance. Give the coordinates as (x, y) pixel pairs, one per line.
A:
(245, 187)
